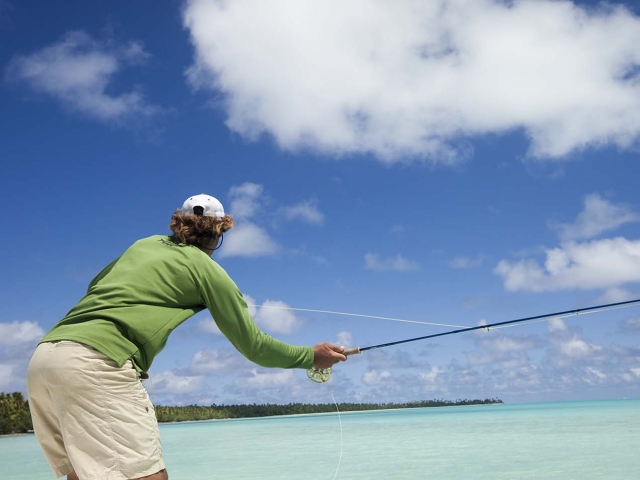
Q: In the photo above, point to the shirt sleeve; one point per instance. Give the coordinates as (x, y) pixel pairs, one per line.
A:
(229, 310)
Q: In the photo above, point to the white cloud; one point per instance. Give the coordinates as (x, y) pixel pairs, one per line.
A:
(253, 209)
(410, 79)
(616, 294)
(598, 216)
(381, 360)
(248, 240)
(169, 383)
(462, 262)
(344, 339)
(251, 304)
(433, 377)
(378, 377)
(567, 346)
(306, 211)
(565, 365)
(507, 350)
(208, 325)
(219, 362)
(605, 263)
(6, 376)
(273, 318)
(397, 263)
(78, 70)
(269, 379)
(246, 199)
(20, 332)
(135, 53)
(631, 325)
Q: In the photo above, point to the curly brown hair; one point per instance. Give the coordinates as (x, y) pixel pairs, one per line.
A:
(199, 230)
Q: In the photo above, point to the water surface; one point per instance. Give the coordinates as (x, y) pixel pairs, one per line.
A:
(569, 440)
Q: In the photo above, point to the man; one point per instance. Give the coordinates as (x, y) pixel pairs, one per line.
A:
(91, 414)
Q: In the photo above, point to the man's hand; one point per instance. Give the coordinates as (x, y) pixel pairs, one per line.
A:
(326, 355)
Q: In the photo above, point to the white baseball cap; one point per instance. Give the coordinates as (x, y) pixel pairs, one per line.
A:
(211, 207)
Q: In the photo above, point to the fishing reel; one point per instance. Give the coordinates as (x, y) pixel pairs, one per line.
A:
(319, 375)
(322, 375)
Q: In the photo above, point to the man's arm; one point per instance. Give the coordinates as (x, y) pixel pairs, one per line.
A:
(229, 310)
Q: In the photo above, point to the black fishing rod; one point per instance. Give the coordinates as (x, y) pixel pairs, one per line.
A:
(321, 375)
(566, 313)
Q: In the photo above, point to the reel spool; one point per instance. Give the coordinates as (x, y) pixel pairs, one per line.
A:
(322, 375)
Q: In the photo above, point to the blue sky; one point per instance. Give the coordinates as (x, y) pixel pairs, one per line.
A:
(453, 162)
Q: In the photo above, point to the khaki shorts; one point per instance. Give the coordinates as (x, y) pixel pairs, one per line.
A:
(91, 416)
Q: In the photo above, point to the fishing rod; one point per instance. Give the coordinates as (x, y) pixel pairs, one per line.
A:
(322, 375)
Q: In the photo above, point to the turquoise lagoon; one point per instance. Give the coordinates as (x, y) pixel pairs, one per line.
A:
(568, 440)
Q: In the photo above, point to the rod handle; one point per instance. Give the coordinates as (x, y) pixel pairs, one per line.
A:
(351, 351)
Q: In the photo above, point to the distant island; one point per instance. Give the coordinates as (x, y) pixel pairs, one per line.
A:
(221, 412)
(16, 418)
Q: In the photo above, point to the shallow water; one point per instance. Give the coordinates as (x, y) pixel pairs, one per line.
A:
(569, 440)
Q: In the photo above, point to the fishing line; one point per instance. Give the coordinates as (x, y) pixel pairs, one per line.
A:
(322, 375)
(356, 315)
(341, 442)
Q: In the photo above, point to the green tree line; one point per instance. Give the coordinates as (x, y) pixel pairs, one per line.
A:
(16, 418)
(14, 414)
(196, 412)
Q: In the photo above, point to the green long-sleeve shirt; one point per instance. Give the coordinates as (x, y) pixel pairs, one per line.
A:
(133, 305)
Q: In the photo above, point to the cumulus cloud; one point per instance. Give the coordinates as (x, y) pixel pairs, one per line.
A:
(607, 263)
(306, 211)
(508, 350)
(344, 339)
(378, 377)
(598, 216)
(372, 261)
(19, 332)
(381, 360)
(631, 325)
(273, 316)
(273, 319)
(18, 340)
(246, 199)
(248, 240)
(210, 361)
(462, 262)
(567, 346)
(566, 363)
(269, 379)
(208, 325)
(597, 264)
(433, 377)
(170, 383)
(7, 378)
(255, 212)
(408, 79)
(78, 72)
(616, 294)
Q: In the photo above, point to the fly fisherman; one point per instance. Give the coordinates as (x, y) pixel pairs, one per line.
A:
(91, 414)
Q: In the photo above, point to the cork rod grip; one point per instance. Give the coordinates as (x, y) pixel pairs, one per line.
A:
(351, 351)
